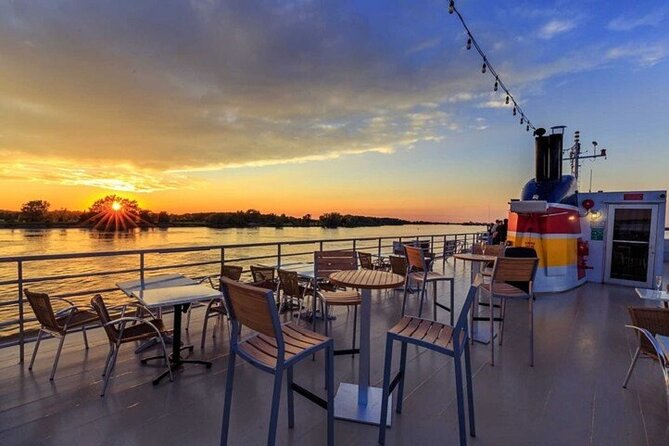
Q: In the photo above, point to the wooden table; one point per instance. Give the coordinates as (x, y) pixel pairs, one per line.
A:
(659, 296)
(482, 337)
(360, 402)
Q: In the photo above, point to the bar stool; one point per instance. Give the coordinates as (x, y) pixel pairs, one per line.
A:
(419, 272)
(274, 348)
(215, 307)
(442, 338)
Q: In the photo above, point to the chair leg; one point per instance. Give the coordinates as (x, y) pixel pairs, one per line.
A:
(629, 371)
(452, 307)
(167, 358)
(385, 396)
(423, 292)
(400, 385)
(502, 312)
(492, 331)
(228, 398)
(190, 309)
(404, 298)
(109, 355)
(55, 361)
(204, 329)
(83, 331)
(470, 390)
(110, 368)
(325, 310)
(355, 327)
(289, 397)
(329, 372)
(434, 300)
(276, 400)
(460, 397)
(531, 305)
(39, 339)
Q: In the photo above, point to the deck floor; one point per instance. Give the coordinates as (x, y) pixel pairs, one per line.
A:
(572, 396)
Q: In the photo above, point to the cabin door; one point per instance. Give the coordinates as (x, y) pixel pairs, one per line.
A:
(630, 244)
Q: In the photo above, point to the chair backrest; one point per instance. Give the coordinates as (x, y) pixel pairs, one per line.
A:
(233, 272)
(450, 246)
(289, 283)
(252, 307)
(425, 246)
(510, 269)
(328, 262)
(262, 273)
(493, 250)
(519, 251)
(655, 320)
(365, 260)
(100, 308)
(415, 258)
(41, 305)
(398, 248)
(477, 248)
(398, 265)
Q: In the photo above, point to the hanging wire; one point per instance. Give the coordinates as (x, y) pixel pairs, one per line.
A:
(488, 67)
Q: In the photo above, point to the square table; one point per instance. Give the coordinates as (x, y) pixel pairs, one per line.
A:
(658, 296)
(175, 290)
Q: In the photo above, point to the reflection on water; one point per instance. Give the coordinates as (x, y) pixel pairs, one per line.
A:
(15, 242)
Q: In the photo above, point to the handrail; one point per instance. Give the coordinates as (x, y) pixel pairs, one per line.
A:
(219, 258)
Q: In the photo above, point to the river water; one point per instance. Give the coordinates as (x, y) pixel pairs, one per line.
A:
(17, 242)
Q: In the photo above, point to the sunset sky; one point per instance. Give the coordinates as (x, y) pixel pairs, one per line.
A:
(367, 107)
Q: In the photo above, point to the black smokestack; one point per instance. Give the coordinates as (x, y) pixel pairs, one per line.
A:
(548, 156)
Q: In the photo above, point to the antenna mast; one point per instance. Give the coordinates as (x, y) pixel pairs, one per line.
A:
(575, 155)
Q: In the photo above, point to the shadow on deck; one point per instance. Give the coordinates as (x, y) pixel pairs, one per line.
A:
(573, 395)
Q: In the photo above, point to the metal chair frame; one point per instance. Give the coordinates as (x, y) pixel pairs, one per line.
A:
(460, 345)
(215, 307)
(418, 269)
(115, 344)
(661, 357)
(66, 312)
(282, 365)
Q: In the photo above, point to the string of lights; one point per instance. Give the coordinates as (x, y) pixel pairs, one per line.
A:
(486, 66)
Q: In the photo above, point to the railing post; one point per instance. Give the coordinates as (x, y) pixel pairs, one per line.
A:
(141, 269)
(222, 260)
(432, 243)
(19, 275)
(278, 255)
(379, 252)
(354, 240)
(321, 245)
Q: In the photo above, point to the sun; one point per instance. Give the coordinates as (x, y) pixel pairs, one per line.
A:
(116, 206)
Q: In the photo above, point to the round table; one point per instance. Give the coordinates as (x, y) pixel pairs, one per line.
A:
(477, 336)
(360, 402)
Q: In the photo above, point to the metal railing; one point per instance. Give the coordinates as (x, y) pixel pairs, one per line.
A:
(274, 251)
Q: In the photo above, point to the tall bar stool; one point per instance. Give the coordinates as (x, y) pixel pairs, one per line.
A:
(274, 349)
(57, 324)
(509, 270)
(326, 263)
(215, 307)
(292, 289)
(418, 271)
(442, 338)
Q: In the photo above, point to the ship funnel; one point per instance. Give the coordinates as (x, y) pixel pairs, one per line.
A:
(548, 154)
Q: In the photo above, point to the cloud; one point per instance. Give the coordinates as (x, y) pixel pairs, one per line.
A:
(555, 27)
(642, 55)
(626, 23)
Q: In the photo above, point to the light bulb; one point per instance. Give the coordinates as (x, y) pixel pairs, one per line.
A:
(514, 111)
(507, 99)
(522, 119)
(496, 86)
(483, 67)
(527, 128)
(469, 43)
(451, 7)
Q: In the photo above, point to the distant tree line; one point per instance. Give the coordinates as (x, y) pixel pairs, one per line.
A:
(37, 213)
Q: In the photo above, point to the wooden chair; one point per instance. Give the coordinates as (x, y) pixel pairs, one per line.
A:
(509, 269)
(449, 340)
(491, 250)
(215, 307)
(419, 272)
(289, 284)
(398, 265)
(264, 277)
(450, 249)
(652, 321)
(366, 260)
(326, 263)
(274, 348)
(119, 333)
(57, 324)
(232, 271)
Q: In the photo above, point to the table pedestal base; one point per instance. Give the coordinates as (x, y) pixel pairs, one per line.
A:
(347, 408)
